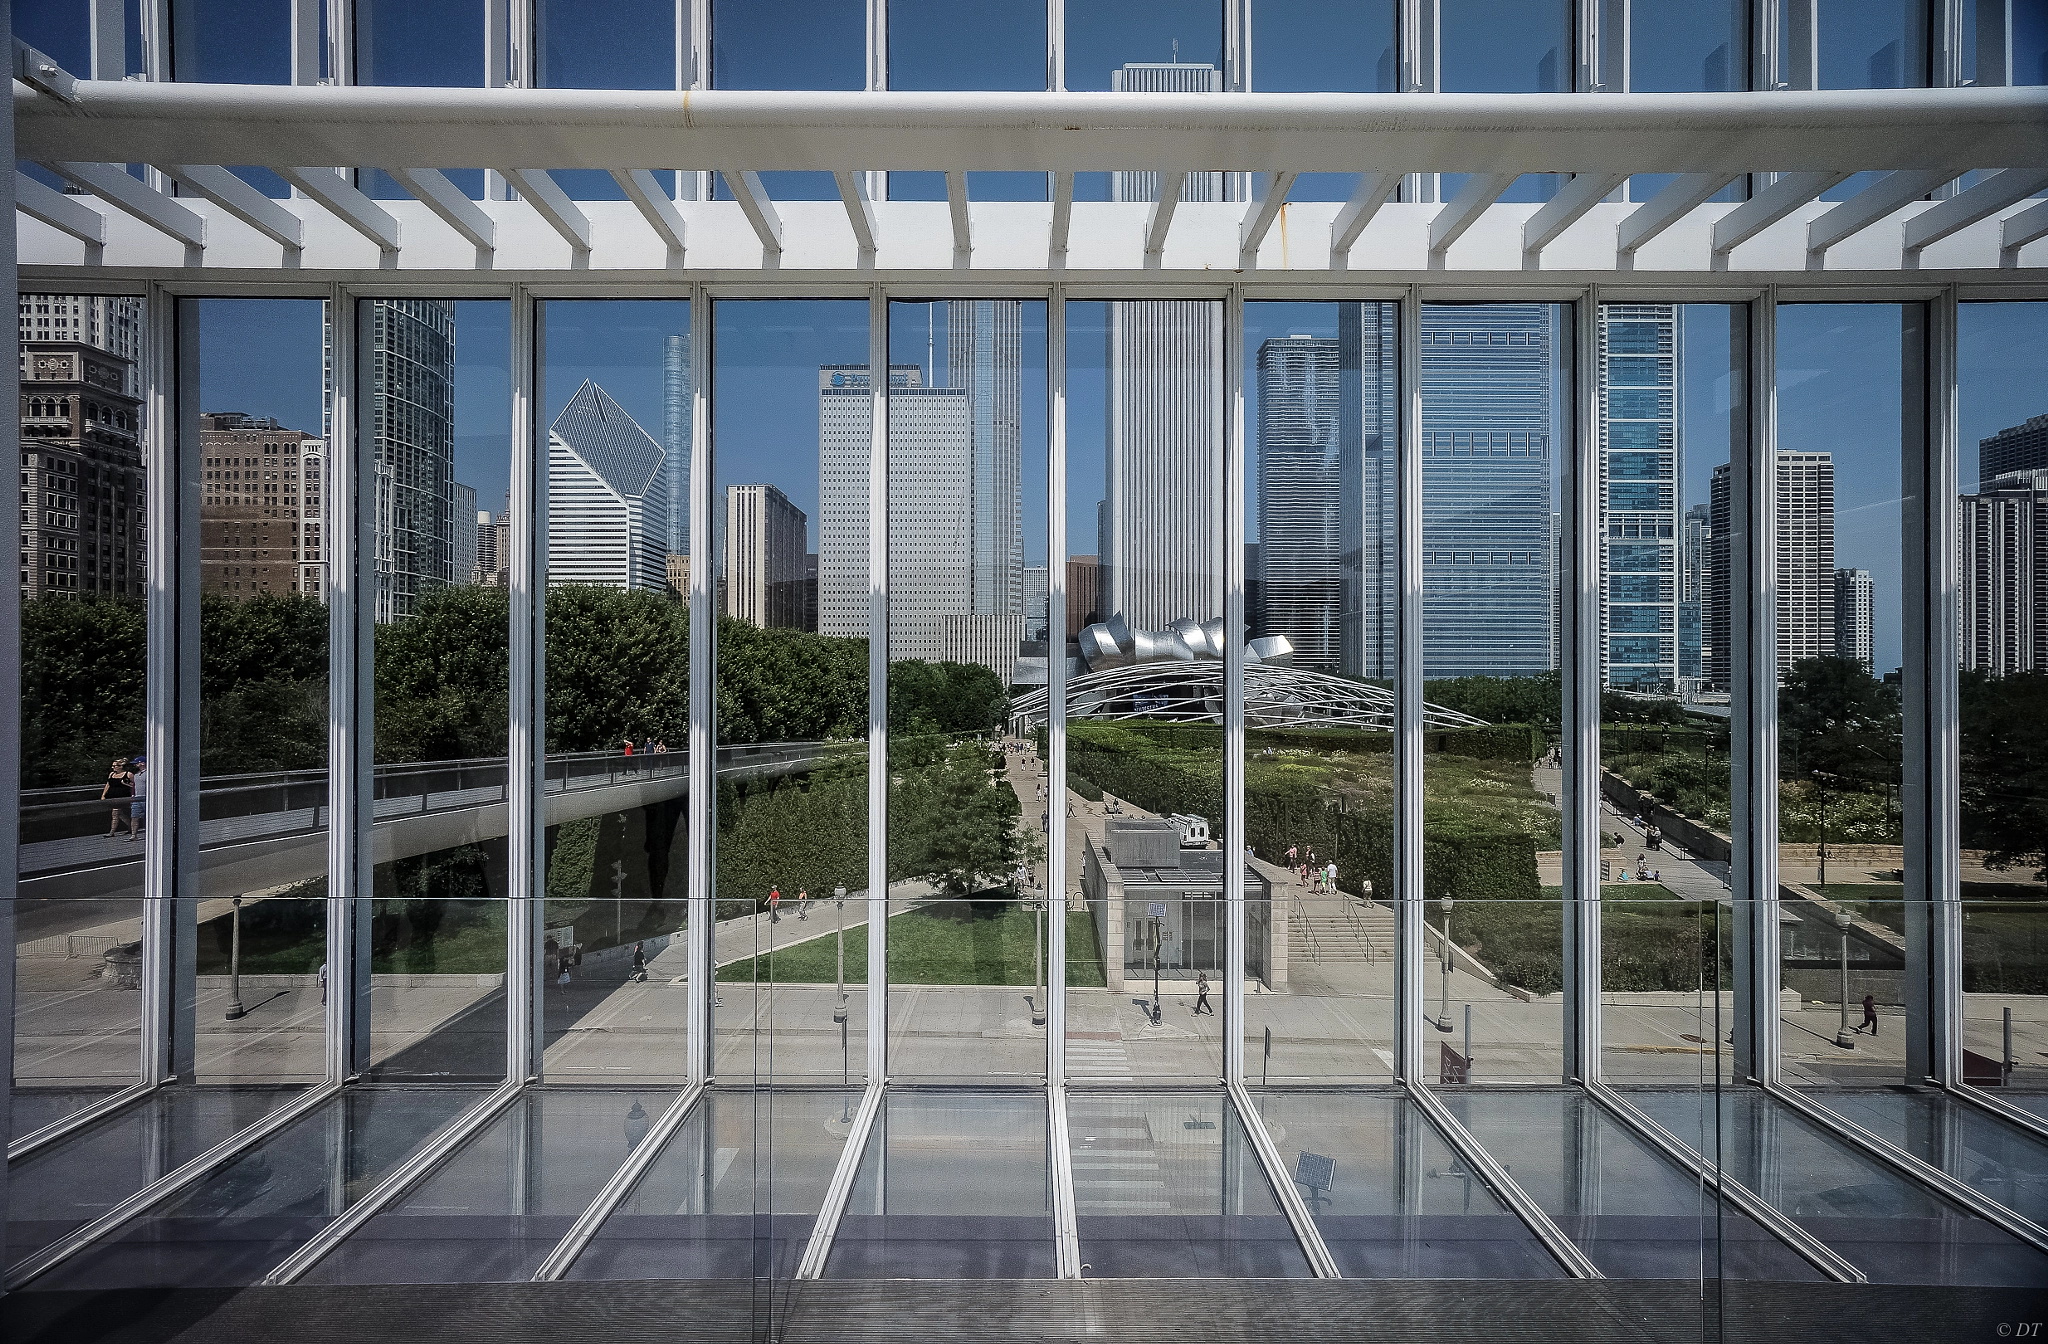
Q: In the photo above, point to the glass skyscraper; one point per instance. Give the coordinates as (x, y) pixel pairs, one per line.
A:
(1639, 474)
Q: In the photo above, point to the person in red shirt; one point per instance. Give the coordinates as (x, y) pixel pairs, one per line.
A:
(774, 905)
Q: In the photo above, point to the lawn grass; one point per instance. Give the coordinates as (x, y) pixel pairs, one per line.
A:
(1650, 938)
(2005, 929)
(949, 945)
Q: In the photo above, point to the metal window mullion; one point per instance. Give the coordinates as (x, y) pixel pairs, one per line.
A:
(1066, 1221)
(1408, 702)
(1233, 687)
(526, 737)
(10, 667)
(1056, 875)
(1056, 45)
(1320, 1261)
(615, 1191)
(1753, 629)
(878, 686)
(351, 696)
(702, 802)
(20, 1146)
(1581, 665)
(826, 1227)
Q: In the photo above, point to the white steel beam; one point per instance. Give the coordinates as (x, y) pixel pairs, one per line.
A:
(1373, 191)
(1667, 207)
(1981, 201)
(1893, 192)
(746, 188)
(1065, 1219)
(644, 191)
(1464, 209)
(956, 205)
(431, 188)
(878, 688)
(643, 1156)
(1320, 1261)
(2016, 231)
(347, 204)
(43, 74)
(1770, 205)
(1258, 220)
(552, 204)
(860, 212)
(1062, 210)
(113, 185)
(54, 208)
(1160, 218)
(1565, 209)
(812, 1264)
(241, 200)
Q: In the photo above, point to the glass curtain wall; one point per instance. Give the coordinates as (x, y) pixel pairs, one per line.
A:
(789, 547)
(436, 401)
(605, 44)
(966, 534)
(1144, 788)
(431, 43)
(1497, 419)
(618, 691)
(1675, 46)
(1321, 417)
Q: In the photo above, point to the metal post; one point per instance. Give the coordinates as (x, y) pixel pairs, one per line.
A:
(10, 653)
(526, 773)
(1842, 1036)
(700, 963)
(1038, 966)
(1579, 658)
(1233, 690)
(235, 1008)
(1468, 1045)
(351, 695)
(878, 686)
(1443, 1017)
(1408, 907)
(1056, 874)
(1753, 723)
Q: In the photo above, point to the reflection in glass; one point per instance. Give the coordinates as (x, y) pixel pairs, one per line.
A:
(1158, 46)
(419, 42)
(809, 44)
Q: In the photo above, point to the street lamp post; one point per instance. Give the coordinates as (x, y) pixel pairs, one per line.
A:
(1842, 1036)
(235, 1008)
(1038, 963)
(839, 1008)
(1443, 1021)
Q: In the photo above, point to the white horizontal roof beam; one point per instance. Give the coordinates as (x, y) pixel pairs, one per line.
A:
(551, 203)
(68, 214)
(431, 188)
(2023, 228)
(241, 200)
(956, 206)
(1985, 199)
(1676, 201)
(1565, 209)
(644, 190)
(111, 183)
(1888, 194)
(1372, 192)
(860, 212)
(746, 188)
(1258, 220)
(1160, 218)
(1463, 211)
(1768, 206)
(1062, 210)
(350, 206)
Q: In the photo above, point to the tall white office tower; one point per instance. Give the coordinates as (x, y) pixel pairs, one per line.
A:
(1640, 421)
(2003, 538)
(1299, 546)
(1367, 432)
(1148, 77)
(1805, 564)
(766, 540)
(607, 499)
(984, 358)
(675, 437)
(1854, 618)
(931, 507)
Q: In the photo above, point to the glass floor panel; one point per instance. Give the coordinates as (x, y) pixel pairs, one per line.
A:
(36, 1107)
(1399, 1203)
(1166, 1186)
(72, 1182)
(952, 1186)
(1634, 1212)
(1997, 1160)
(243, 1221)
(491, 1213)
(733, 1195)
(2033, 1103)
(1892, 1229)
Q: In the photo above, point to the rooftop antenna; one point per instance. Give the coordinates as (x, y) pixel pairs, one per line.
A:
(1176, 51)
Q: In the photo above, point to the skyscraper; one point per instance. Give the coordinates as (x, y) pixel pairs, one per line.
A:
(675, 437)
(1084, 593)
(412, 415)
(984, 358)
(765, 545)
(487, 561)
(83, 484)
(1299, 547)
(2003, 540)
(2023, 447)
(1367, 430)
(463, 569)
(1639, 453)
(1162, 77)
(1037, 601)
(1805, 566)
(1693, 542)
(1486, 488)
(607, 497)
(261, 507)
(1854, 617)
(110, 323)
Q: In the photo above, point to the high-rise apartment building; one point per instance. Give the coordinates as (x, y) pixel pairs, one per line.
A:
(931, 515)
(411, 348)
(1854, 622)
(1639, 351)
(1805, 566)
(1486, 488)
(83, 485)
(676, 403)
(463, 568)
(607, 497)
(1084, 593)
(984, 358)
(262, 507)
(488, 550)
(2003, 545)
(1037, 602)
(1694, 531)
(1367, 432)
(109, 323)
(2023, 447)
(765, 546)
(1300, 549)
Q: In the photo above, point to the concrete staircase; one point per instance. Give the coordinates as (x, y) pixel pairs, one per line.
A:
(1333, 929)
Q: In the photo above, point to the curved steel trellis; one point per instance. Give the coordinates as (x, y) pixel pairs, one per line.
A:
(1275, 696)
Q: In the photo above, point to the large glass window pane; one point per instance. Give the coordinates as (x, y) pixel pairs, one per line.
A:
(618, 689)
(2002, 536)
(439, 406)
(1672, 380)
(1506, 46)
(789, 550)
(1322, 407)
(420, 42)
(1144, 788)
(789, 44)
(967, 44)
(967, 520)
(1856, 44)
(266, 503)
(605, 44)
(1496, 423)
(1839, 566)
(84, 642)
(1308, 46)
(231, 41)
(1676, 46)
(1158, 46)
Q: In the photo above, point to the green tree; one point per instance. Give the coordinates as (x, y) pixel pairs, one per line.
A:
(618, 666)
(2004, 749)
(442, 677)
(83, 669)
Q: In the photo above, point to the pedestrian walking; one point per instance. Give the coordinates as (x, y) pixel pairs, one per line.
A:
(629, 746)
(774, 905)
(1293, 858)
(1869, 1014)
(1330, 877)
(640, 962)
(803, 903)
(1202, 994)
(138, 802)
(120, 787)
(323, 982)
